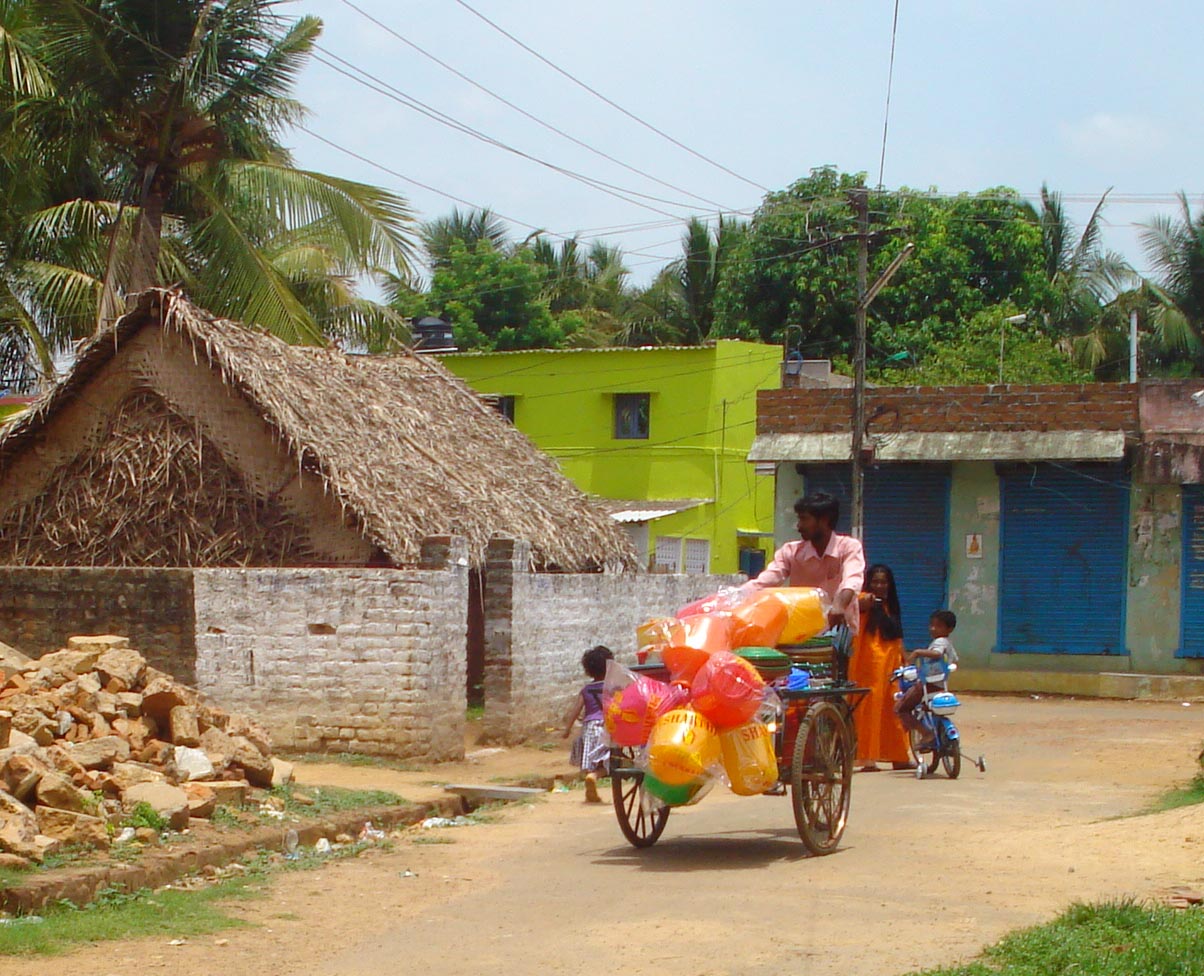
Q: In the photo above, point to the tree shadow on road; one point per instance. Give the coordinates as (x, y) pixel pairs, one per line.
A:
(733, 850)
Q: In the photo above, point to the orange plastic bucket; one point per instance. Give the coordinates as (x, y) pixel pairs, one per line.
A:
(759, 622)
(728, 690)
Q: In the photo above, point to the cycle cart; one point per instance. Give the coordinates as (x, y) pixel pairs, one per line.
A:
(815, 745)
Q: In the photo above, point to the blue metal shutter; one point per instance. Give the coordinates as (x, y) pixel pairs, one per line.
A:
(1191, 571)
(1062, 549)
(906, 527)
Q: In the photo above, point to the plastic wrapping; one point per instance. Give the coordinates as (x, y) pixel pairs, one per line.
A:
(633, 712)
(682, 748)
(660, 630)
(807, 612)
(727, 690)
(727, 598)
(700, 637)
(759, 621)
(748, 759)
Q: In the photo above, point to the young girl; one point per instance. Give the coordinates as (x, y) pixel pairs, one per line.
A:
(877, 652)
(590, 751)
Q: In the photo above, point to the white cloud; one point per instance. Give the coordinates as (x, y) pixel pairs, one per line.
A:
(1105, 133)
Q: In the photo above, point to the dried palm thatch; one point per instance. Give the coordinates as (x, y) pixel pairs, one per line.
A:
(152, 493)
(404, 446)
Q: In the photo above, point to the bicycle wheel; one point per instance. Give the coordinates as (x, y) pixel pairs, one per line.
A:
(924, 767)
(821, 774)
(641, 816)
(951, 752)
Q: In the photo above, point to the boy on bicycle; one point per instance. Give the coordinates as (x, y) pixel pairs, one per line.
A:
(932, 663)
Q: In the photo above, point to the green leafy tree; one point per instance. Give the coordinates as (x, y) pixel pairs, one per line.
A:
(972, 357)
(796, 264)
(155, 137)
(494, 300)
(465, 226)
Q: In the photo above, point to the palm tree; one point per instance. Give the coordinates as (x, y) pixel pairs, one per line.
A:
(165, 118)
(469, 227)
(1175, 248)
(1084, 278)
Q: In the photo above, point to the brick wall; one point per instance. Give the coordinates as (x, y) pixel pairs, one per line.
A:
(537, 625)
(342, 660)
(41, 607)
(1091, 406)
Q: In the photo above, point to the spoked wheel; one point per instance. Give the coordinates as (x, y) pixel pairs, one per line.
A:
(641, 816)
(924, 767)
(821, 774)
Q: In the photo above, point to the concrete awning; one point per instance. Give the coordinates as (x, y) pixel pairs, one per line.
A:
(1052, 445)
(645, 510)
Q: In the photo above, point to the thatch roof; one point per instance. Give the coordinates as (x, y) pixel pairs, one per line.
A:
(405, 448)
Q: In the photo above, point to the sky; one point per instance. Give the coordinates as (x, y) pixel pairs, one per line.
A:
(1083, 96)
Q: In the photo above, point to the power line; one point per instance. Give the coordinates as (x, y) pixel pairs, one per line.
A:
(538, 121)
(382, 87)
(890, 77)
(613, 104)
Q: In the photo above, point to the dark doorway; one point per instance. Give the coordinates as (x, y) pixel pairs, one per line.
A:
(476, 639)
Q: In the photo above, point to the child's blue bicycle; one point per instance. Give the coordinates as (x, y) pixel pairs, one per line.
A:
(934, 712)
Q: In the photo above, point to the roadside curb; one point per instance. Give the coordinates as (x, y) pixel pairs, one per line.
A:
(81, 885)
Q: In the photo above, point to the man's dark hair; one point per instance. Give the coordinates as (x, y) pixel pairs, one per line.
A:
(821, 505)
(594, 661)
(947, 617)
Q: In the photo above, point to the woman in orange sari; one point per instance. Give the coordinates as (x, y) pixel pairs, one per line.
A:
(878, 650)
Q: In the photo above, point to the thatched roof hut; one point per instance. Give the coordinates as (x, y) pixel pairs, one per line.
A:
(179, 439)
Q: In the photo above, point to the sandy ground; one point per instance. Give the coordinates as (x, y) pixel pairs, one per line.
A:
(928, 872)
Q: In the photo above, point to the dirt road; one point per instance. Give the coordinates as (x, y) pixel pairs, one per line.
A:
(928, 873)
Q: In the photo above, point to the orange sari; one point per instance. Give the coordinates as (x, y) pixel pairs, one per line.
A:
(880, 735)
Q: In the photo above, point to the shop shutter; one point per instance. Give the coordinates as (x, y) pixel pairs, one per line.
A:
(1062, 559)
(906, 527)
(1192, 573)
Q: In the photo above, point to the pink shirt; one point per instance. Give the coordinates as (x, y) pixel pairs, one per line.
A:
(841, 567)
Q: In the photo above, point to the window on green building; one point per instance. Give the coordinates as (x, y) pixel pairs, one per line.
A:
(631, 416)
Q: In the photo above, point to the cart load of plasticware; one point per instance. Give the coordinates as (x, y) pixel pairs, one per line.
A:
(713, 720)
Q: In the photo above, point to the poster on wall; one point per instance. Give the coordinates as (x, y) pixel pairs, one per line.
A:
(974, 545)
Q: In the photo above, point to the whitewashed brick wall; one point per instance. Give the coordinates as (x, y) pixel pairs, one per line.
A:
(350, 660)
(537, 626)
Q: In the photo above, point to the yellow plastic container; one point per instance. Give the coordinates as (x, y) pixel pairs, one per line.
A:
(683, 746)
(806, 612)
(748, 758)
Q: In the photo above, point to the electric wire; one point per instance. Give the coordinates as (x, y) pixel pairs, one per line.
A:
(890, 77)
(613, 104)
(528, 115)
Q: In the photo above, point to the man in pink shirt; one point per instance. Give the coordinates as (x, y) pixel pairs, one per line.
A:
(834, 563)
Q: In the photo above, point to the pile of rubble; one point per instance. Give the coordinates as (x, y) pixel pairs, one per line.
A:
(90, 733)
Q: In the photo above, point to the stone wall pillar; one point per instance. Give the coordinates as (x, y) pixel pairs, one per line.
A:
(504, 560)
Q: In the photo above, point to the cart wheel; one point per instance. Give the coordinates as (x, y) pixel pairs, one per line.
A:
(821, 774)
(641, 816)
(924, 767)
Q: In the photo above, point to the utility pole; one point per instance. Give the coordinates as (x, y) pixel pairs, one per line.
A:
(858, 199)
(860, 203)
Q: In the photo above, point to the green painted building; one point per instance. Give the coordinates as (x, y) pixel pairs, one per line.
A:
(660, 433)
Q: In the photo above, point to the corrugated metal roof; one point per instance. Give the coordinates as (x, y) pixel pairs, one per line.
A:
(645, 509)
(1052, 445)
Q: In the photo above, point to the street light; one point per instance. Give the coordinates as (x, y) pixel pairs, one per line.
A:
(1010, 320)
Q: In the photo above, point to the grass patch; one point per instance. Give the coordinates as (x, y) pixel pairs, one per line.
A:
(475, 713)
(426, 839)
(116, 914)
(1180, 796)
(1124, 938)
(333, 799)
(356, 759)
